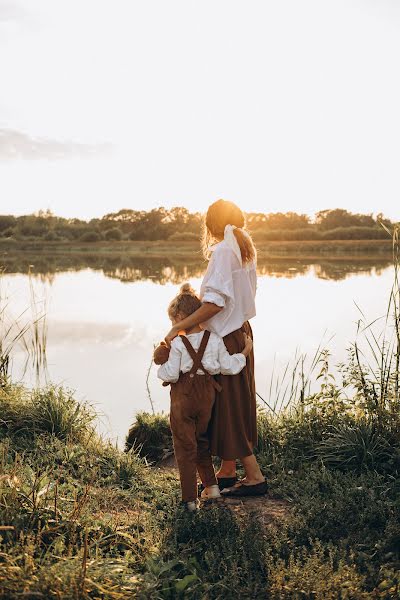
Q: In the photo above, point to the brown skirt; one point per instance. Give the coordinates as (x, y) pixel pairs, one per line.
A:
(233, 426)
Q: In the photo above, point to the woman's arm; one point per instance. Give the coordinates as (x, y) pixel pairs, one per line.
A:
(204, 313)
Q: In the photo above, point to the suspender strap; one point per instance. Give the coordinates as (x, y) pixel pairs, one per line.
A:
(198, 356)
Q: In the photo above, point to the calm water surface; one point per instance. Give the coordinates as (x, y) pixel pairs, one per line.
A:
(104, 315)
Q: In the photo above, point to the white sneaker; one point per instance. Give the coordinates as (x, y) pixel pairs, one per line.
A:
(210, 493)
(192, 506)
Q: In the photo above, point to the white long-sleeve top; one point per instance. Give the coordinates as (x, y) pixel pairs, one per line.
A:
(229, 284)
(216, 358)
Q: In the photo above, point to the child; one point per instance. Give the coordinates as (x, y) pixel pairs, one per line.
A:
(193, 360)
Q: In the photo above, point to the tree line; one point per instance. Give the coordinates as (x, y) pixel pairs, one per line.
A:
(180, 224)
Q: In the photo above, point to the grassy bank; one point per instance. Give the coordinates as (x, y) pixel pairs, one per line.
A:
(182, 249)
(82, 519)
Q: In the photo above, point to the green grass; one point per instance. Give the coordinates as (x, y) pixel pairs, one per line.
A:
(178, 248)
(82, 519)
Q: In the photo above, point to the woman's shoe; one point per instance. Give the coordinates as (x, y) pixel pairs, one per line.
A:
(226, 482)
(223, 482)
(241, 490)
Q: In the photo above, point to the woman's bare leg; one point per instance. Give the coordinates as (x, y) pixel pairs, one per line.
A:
(227, 469)
(252, 470)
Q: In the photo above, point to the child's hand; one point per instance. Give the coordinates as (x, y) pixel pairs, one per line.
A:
(161, 354)
(248, 344)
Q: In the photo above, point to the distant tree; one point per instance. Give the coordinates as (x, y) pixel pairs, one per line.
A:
(6, 233)
(179, 224)
(51, 236)
(7, 222)
(32, 226)
(113, 234)
(45, 214)
(184, 236)
(254, 220)
(340, 217)
(91, 236)
(281, 221)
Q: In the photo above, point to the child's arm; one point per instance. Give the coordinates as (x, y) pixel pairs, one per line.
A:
(161, 354)
(169, 371)
(232, 364)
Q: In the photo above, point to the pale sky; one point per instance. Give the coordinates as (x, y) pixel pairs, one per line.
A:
(277, 105)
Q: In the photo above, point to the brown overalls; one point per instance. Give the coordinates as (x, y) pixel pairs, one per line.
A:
(192, 400)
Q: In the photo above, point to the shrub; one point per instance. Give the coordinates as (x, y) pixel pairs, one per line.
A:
(90, 236)
(7, 233)
(51, 236)
(113, 234)
(184, 236)
(151, 436)
(355, 233)
(358, 446)
(51, 410)
(266, 235)
(319, 574)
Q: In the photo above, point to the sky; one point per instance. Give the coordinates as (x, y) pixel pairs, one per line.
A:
(278, 105)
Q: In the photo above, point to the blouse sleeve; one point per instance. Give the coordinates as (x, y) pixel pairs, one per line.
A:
(231, 364)
(169, 371)
(217, 286)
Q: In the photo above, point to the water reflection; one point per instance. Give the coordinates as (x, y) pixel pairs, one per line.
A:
(177, 269)
(106, 312)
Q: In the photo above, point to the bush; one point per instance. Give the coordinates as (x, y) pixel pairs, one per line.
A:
(184, 236)
(26, 414)
(113, 234)
(90, 236)
(319, 574)
(51, 236)
(265, 235)
(151, 436)
(7, 233)
(359, 446)
(356, 233)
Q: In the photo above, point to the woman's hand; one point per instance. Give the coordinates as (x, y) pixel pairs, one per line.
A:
(171, 335)
(248, 345)
(202, 314)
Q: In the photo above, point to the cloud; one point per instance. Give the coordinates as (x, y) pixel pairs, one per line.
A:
(89, 332)
(10, 11)
(18, 145)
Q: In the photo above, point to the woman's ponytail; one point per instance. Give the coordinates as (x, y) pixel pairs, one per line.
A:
(246, 245)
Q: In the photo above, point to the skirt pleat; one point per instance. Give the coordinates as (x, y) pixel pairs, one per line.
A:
(233, 427)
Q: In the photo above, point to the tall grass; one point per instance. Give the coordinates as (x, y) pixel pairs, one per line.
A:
(80, 519)
(26, 332)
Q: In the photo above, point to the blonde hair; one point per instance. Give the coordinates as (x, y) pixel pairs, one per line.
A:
(186, 302)
(220, 214)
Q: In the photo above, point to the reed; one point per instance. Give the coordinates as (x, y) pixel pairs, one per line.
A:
(26, 332)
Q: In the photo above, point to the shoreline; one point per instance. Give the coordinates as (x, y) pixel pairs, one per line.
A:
(163, 248)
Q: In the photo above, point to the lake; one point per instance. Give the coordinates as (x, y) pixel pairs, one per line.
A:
(105, 313)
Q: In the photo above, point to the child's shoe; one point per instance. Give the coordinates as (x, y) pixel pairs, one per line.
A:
(210, 493)
(191, 506)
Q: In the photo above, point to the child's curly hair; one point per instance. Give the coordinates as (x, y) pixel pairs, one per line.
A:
(186, 302)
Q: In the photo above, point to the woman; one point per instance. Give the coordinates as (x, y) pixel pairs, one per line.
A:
(228, 296)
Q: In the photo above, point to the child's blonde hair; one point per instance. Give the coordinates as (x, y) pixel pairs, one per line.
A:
(186, 302)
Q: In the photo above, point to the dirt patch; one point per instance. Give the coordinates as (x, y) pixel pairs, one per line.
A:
(270, 511)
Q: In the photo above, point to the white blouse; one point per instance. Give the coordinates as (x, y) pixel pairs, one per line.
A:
(229, 284)
(216, 358)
